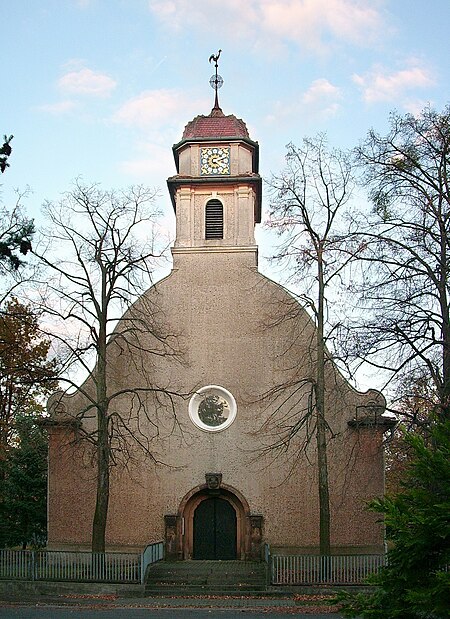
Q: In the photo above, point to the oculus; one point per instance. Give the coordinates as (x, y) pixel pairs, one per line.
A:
(212, 408)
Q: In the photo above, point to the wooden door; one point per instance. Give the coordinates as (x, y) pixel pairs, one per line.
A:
(215, 530)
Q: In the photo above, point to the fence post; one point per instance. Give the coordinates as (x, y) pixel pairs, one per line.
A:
(268, 562)
(32, 566)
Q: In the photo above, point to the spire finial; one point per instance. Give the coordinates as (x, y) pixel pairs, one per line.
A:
(216, 80)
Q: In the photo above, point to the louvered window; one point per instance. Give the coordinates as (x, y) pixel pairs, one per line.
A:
(214, 220)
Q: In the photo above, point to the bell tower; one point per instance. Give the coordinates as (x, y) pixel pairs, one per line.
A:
(216, 193)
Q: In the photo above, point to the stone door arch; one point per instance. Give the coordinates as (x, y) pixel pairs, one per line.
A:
(179, 535)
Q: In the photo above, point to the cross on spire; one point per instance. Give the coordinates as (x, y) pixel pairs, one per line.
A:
(216, 80)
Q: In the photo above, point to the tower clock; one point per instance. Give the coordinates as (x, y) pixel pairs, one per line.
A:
(215, 160)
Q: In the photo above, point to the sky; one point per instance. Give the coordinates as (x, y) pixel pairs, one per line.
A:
(102, 89)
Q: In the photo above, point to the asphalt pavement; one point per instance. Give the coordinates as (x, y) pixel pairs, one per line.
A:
(150, 613)
(28, 606)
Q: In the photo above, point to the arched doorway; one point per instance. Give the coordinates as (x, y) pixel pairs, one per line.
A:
(211, 524)
(215, 530)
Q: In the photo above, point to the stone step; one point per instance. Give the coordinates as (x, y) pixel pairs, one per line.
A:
(220, 577)
(205, 577)
(168, 589)
(202, 592)
(207, 581)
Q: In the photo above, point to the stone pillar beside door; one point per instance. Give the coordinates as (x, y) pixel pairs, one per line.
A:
(256, 536)
(171, 538)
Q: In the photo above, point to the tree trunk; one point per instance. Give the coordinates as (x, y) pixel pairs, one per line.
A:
(324, 499)
(445, 393)
(445, 396)
(103, 446)
(102, 500)
(321, 431)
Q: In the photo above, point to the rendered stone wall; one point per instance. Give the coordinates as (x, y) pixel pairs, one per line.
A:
(226, 319)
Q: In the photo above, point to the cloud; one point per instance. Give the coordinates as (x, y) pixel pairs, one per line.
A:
(155, 162)
(152, 108)
(382, 85)
(315, 25)
(322, 94)
(309, 22)
(320, 101)
(59, 108)
(87, 82)
(148, 108)
(234, 16)
(417, 106)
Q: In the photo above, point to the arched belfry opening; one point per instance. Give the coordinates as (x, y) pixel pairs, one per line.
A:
(214, 219)
(213, 523)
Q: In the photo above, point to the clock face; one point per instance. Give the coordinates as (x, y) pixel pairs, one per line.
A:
(215, 160)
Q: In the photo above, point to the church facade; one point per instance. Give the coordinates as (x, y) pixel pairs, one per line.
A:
(220, 482)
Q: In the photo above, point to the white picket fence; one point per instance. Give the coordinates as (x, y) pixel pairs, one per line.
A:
(323, 570)
(58, 565)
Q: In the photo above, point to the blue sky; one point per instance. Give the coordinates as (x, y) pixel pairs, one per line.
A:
(103, 88)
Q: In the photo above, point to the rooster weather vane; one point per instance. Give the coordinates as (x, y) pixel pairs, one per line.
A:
(216, 80)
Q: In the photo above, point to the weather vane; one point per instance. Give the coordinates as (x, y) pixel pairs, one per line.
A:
(216, 80)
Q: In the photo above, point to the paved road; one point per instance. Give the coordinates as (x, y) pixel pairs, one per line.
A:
(150, 613)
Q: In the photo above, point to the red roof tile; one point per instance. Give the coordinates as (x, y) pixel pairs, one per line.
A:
(215, 125)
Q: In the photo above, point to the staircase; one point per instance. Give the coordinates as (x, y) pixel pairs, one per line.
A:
(206, 578)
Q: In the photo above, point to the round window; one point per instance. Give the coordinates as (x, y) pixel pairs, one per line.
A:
(212, 408)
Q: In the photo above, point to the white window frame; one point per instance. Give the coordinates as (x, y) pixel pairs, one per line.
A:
(196, 400)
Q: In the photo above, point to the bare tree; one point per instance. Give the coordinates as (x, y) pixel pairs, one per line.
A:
(103, 258)
(307, 209)
(404, 299)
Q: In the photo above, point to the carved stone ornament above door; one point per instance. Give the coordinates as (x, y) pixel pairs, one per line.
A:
(213, 480)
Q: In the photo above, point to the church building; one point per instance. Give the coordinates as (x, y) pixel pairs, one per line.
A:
(222, 480)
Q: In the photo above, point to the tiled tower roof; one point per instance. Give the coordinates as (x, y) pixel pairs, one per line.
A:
(215, 125)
